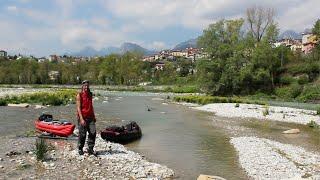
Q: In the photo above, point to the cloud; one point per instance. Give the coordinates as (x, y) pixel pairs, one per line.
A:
(301, 16)
(157, 45)
(62, 25)
(12, 8)
(197, 14)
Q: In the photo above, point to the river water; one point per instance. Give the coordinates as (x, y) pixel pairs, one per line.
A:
(188, 141)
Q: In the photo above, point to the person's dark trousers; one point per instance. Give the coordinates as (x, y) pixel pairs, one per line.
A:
(90, 127)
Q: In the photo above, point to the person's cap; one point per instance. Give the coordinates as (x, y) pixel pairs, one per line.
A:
(85, 81)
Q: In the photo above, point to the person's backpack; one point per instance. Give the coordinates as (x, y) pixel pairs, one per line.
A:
(45, 117)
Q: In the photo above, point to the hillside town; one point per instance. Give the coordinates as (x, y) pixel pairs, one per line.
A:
(303, 45)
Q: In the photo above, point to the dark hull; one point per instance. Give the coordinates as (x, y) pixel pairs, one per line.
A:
(121, 137)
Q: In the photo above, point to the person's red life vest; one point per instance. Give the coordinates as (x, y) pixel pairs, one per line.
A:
(86, 105)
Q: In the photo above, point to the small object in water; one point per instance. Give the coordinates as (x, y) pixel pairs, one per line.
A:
(148, 109)
(291, 131)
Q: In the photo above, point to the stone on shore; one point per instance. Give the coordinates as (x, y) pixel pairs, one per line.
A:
(23, 105)
(207, 177)
(39, 106)
(291, 131)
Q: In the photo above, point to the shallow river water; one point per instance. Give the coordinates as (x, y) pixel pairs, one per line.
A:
(188, 141)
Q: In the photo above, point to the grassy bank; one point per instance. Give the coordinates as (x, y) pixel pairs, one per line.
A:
(216, 99)
(55, 98)
(248, 100)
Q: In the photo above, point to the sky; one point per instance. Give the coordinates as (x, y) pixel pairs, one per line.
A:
(44, 27)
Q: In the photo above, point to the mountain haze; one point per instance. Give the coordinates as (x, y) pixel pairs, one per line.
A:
(125, 47)
(187, 44)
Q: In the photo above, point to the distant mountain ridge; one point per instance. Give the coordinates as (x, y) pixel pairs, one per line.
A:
(125, 47)
(187, 44)
(290, 34)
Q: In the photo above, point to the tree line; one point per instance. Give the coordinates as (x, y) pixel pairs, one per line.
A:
(241, 60)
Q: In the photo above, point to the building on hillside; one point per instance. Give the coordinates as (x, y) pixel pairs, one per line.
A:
(293, 44)
(179, 53)
(53, 58)
(3, 53)
(42, 59)
(53, 75)
(309, 41)
(159, 66)
(148, 58)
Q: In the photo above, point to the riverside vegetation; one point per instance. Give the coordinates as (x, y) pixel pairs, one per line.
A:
(55, 98)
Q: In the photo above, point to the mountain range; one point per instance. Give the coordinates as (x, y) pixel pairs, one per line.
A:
(128, 47)
(132, 47)
(125, 47)
(290, 34)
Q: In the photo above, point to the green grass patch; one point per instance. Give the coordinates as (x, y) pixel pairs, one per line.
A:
(182, 89)
(215, 99)
(41, 149)
(313, 124)
(55, 98)
(289, 92)
(310, 93)
(265, 111)
(3, 102)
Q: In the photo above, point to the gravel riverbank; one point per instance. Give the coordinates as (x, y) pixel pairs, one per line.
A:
(113, 161)
(275, 113)
(20, 91)
(265, 159)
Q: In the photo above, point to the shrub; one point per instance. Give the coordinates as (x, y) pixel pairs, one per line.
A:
(310, 93)
(313, 124)
(286, 80)
(289, 92)
(41, 149)
(303, 79)
(3, 102)
(265, 112)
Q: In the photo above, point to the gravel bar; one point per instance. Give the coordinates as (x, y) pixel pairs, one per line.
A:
(266, 159)
(284, 114)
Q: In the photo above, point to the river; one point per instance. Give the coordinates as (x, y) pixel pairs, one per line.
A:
(188, 141)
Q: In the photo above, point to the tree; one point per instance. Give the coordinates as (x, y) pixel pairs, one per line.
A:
(316, 32)
(259, 20)
(316, 29)
(219, 39)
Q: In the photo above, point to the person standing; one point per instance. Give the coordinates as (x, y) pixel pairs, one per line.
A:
(86, 119)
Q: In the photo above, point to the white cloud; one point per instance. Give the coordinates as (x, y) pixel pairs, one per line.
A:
(300, 17)
(12, 8)
(158, 45)
(60, 28)
(197, 14)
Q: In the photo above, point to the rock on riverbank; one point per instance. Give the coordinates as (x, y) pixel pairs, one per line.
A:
(266, 159)
(275, 113)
